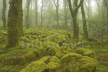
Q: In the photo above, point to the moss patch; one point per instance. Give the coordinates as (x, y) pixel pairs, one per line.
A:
(37, 66)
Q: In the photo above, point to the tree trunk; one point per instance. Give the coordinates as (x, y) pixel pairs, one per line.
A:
(36, 6)
(65, 13)
(76, 29)
(74, 12)
(20, 18)
(84, 23)
(4, 14)
(27, 15)
(42, 14)
(57, 12)
(13, 23)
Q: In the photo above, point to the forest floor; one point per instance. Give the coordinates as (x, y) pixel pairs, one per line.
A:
(102, 55)
(17, 58)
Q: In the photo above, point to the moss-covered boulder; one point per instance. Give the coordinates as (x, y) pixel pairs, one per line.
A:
(49, 44)
(86, 52)
(36, 66)
(45, 59)
(31, 55)
(54, 59)
(11, 60)
(53, 66)
(77, 63)
(55, 52)
(88, 64)
(57, 37)
(71, 57)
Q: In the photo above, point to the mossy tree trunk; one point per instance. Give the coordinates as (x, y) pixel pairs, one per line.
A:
(4, 14)
(13, 23)
(84, 22)
(20, 18)
(74, 12)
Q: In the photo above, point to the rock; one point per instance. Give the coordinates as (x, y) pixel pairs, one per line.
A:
(71, 57)
(86, 52)
(36, 66)
(53, 66)
(54, 59)
(45, 59)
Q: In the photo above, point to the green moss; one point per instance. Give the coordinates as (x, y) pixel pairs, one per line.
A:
(11, 60)
(24, 39)
(55, 52)
(86, 52)
(45, 59)
(71, 57)
(49, 44)
(88, 67)
(89, 64)
(83, 64)
(54, 59)
(30, 56)
(6, 68)
(53, 66)
(57, 37)
(89, 53)
(70, 50)
(36, 66)
(3, 32)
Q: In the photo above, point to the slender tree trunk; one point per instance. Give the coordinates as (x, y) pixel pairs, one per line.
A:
(13, 23)
(89, 12)
(105, 3)
(27, 15)
(36, 6)
(84, 22)
(57, 12)
(42, 14)
(102, 36)
(4, 14)
(65, 13)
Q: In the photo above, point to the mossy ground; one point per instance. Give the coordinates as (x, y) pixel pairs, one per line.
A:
(47, 47)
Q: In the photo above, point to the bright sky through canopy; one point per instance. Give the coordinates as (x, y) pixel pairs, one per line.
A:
(93, 3)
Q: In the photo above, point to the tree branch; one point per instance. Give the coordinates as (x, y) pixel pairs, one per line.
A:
(81, 1)
(55, 3)
(70, 7)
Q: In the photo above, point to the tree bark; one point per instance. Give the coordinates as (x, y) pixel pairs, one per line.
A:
(36, 6)
(57, 12)
(20, 18)
(65, 13)
(27, 15)
(42, 14)
(74, 12)
(4, 14)
(84, 22)
(13, 23)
